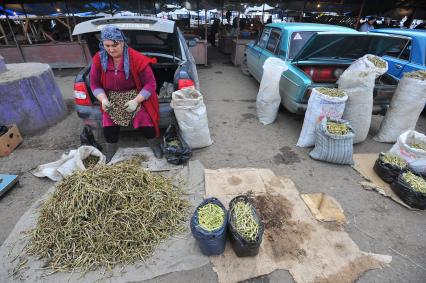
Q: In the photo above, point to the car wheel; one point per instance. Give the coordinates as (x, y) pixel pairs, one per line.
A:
(244, 67)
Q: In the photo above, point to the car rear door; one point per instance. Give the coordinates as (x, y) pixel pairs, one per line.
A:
(254, 55)
(272, 48)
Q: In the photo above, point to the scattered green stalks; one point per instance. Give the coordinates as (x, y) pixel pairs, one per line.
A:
(394, 160)
(337, 128)
(417, 183)
(246, 225)
(108, 215)
(333, 92)
(211, 217)
(379, 63)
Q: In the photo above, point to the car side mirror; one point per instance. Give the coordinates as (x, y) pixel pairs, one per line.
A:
(192, 43)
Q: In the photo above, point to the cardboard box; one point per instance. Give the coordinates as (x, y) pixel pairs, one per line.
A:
(10, 140)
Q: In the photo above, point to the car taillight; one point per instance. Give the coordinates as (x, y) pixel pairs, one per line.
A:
(320, 74)
(81, 94)
(185, 83)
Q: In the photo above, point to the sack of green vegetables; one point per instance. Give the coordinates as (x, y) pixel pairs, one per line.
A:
(208, 226)
(333, 141)
(388, 166)
(176, 150)
(244, 226)
(411, 189)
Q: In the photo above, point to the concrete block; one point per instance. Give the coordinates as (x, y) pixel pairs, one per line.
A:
(30, 97)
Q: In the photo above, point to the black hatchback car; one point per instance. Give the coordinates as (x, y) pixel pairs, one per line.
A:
(174, 66)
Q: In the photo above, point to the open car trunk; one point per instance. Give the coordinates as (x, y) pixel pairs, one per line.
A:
(164, 71)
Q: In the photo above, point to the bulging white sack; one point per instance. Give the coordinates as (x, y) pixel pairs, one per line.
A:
(416, 158)
(358, 82)
(406, 106)
(268, 98)
(319, 106)
(191, 115)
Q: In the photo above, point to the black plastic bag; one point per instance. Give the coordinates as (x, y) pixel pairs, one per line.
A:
(387, 172)
(407, 194)
(175, 149)
(87, 138)
(241, 246)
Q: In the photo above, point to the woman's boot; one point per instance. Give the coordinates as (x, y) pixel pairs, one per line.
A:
(110, 150)
(154, 144)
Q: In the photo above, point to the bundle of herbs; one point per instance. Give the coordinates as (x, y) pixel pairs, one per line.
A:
(90, 161)
(174, 143)
(418, 145)
(393, 160)
(420, 75)
(336, 128)
(244, 221)
(117, 110)
(109, 215)
(333, 92)
(417, 183)
(211, 217)
(378, 62)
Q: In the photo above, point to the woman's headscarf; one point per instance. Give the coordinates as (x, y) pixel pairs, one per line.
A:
(112, 32)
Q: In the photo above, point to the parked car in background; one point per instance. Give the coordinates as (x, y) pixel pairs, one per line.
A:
(317, 55)
(407, 55)
(159, 39)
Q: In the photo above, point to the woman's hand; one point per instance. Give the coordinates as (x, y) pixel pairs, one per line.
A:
(131, 105)
(105, 104)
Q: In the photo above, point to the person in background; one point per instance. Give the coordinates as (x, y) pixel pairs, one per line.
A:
(228, 17)
(368, 25)
(213, 31)
(387, 23)
(422, 25)
(117, 67)
(269, 21)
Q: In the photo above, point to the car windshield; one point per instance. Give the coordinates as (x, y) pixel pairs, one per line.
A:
(298, 39)
(143, 41)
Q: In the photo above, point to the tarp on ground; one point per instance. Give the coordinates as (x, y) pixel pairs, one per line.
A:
(176, 254)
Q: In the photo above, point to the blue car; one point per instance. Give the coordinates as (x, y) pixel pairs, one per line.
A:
(409, 54)
(316, 56)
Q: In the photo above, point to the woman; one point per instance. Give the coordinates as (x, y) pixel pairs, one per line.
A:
(117, 67)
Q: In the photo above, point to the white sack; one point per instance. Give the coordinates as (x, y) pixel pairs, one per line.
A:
(416, 158)
(68, 163)
(268, 98)
(191, 115)
(358, 82)
(319, 106)
(406, 106)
